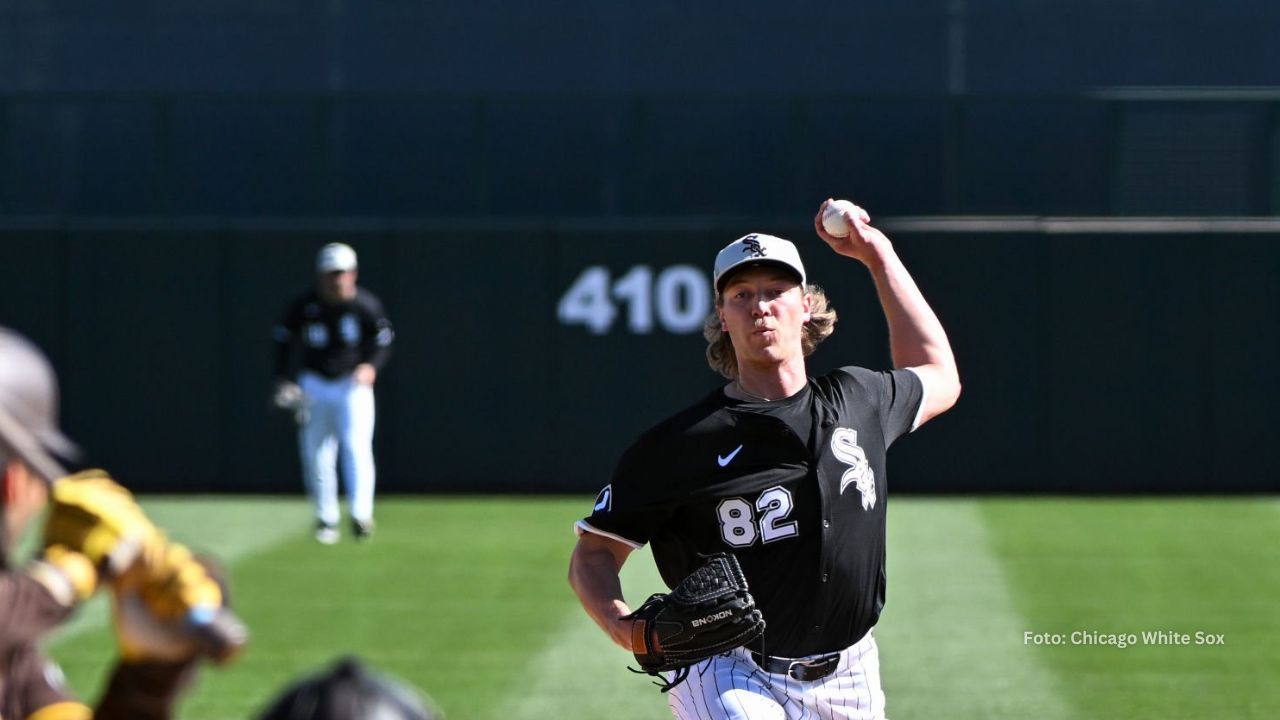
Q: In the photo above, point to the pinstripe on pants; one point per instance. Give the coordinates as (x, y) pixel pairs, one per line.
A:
(733, 687)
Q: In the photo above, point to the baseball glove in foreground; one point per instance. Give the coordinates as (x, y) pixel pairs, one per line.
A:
(709, 613)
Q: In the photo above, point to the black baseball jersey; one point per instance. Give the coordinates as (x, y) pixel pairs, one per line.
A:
(335, 338)
(795, 488)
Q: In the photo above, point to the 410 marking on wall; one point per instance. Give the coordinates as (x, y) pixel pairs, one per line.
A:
(677, 300)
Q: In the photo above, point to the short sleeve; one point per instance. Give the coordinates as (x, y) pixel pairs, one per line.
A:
(904, 398)
(378, 321)
(30, 606)
(897, 396)
(378, 333)
(625, 509)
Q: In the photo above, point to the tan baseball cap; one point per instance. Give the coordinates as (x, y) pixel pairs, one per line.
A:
(29, 407)
(754, 250)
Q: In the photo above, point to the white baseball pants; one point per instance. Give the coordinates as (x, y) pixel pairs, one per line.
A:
(733, 687)
(339, 427)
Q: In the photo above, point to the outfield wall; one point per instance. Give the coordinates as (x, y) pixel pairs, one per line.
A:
(262, 108)
(1103, 357)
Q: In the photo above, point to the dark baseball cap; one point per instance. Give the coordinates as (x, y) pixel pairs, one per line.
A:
(29, 407)
(349, 690)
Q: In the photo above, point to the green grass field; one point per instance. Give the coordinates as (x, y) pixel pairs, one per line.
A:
(467, 599)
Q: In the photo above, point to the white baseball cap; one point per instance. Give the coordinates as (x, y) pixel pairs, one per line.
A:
(336, 257)
(757, 249)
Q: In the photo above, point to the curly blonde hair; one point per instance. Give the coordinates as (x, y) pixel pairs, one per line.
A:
(720, 355)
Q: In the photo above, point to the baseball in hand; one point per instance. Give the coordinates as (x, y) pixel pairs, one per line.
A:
(833, 220)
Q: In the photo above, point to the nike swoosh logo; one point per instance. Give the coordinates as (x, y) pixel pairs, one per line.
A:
(726, 459)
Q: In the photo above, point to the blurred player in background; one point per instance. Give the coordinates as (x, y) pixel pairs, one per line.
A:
(169, 610)
(346, 339)
(785, 471)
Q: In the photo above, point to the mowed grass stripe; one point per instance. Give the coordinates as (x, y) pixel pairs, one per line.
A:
(580, 674)
(1131, 565)
(228, 528)
(951, 637)
(453, 594)
(467, 599)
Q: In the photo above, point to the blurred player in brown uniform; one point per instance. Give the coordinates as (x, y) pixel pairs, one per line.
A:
(169, 609)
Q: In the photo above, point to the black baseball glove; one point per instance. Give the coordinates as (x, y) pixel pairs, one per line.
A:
(709, 613)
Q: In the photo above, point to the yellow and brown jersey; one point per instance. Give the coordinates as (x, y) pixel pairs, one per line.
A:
(31, 685)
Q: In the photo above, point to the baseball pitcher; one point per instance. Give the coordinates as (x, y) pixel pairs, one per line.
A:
(783, 471)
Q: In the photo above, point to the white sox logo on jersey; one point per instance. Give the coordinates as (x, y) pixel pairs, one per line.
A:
(349, 327)
(844, 445)
(317, 334)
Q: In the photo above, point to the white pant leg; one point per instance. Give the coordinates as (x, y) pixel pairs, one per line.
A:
(852, 692)
(355, 432)
(318, 447)
(728, 687)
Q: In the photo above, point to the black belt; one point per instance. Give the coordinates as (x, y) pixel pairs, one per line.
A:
(806, 670)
